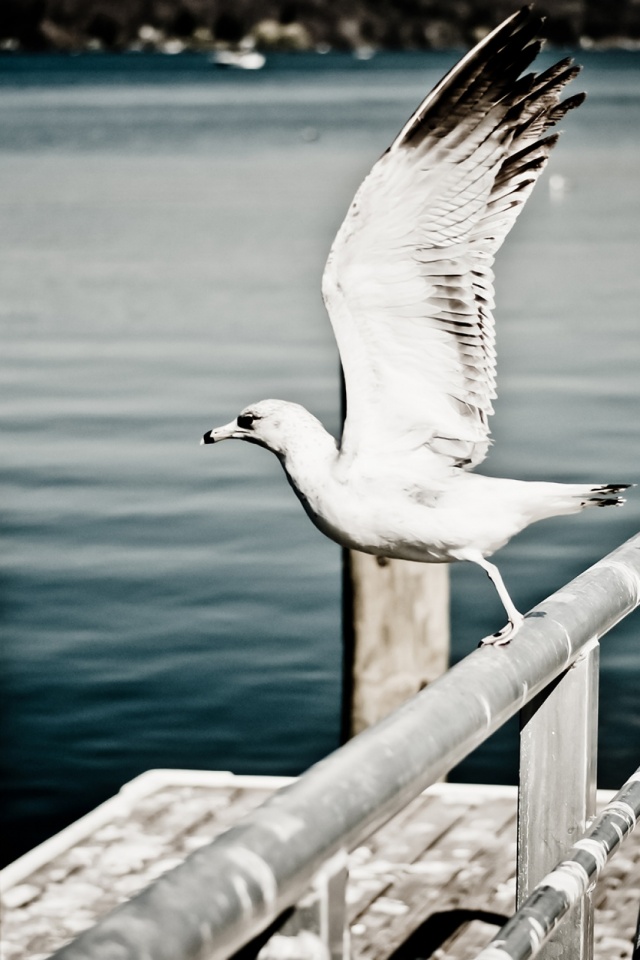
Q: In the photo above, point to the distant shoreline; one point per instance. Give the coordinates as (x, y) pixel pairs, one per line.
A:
(360, 26)
(174, 49)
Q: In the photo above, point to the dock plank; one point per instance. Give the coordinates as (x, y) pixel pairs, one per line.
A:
(431, 882)
(374, 866)
(448, 875)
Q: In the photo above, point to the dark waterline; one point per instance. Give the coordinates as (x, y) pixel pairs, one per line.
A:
(164, 229)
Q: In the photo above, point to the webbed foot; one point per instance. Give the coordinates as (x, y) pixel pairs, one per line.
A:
(504, 636)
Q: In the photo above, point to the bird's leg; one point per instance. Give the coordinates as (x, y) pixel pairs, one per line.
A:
(515, 617)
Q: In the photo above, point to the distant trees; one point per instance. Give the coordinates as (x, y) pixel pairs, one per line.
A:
(297, 24)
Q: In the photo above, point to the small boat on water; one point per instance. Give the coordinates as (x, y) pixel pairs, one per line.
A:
(240, 59)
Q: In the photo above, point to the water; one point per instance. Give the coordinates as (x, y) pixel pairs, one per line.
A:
(164, 228)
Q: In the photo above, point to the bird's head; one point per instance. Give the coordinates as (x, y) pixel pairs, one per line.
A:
(274, 424)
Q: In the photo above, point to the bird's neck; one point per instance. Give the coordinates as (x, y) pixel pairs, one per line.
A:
(309, 464)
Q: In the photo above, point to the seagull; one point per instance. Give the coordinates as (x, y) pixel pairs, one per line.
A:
(408, 286)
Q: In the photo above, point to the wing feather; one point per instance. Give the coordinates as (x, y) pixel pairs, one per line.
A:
(409, 282)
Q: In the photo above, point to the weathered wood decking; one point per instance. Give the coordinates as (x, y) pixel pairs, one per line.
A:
(435, 881)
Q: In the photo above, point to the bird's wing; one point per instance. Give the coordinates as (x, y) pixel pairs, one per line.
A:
(408, 283)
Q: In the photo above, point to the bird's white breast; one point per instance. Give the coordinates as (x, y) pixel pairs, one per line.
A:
(384, 515)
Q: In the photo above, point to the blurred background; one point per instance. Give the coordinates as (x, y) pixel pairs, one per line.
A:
(299, 24)
(173, 174)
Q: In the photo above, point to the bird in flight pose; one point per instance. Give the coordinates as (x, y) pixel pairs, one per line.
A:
(409, 290)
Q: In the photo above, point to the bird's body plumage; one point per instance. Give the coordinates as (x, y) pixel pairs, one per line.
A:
(409, 290)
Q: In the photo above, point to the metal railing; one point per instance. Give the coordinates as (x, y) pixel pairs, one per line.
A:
(292, 851)
(569, 882)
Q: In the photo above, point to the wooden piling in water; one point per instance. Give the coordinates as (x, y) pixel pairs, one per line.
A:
(396, 634)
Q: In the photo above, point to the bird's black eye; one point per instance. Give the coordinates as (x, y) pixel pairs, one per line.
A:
(245, 421)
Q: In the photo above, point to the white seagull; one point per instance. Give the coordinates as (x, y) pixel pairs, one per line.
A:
(409, 289)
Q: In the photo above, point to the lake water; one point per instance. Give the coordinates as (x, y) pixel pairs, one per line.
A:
(164, 229)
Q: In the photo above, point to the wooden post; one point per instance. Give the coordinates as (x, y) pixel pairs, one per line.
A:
(396, 626)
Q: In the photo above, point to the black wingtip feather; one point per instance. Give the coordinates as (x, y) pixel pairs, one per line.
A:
(556, 69)
(499, 59)
(488, 75)
(489, 92)
(563, 108)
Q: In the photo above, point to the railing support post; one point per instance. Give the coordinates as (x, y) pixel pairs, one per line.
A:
(318, 928)
(558, 756)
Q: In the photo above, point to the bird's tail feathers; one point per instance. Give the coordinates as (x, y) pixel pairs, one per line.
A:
(562, 499)
(605, 495)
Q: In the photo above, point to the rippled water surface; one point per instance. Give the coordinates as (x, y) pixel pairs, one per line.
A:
(164, 228)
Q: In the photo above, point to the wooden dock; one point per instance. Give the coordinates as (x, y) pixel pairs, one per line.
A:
(436, 881)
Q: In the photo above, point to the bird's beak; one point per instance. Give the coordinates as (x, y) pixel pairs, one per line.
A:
(228, 432)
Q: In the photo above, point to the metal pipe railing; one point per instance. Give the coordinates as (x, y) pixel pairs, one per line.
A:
(531, 926)
(228, 892)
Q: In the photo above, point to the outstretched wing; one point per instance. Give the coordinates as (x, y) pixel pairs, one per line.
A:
(408, 283)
